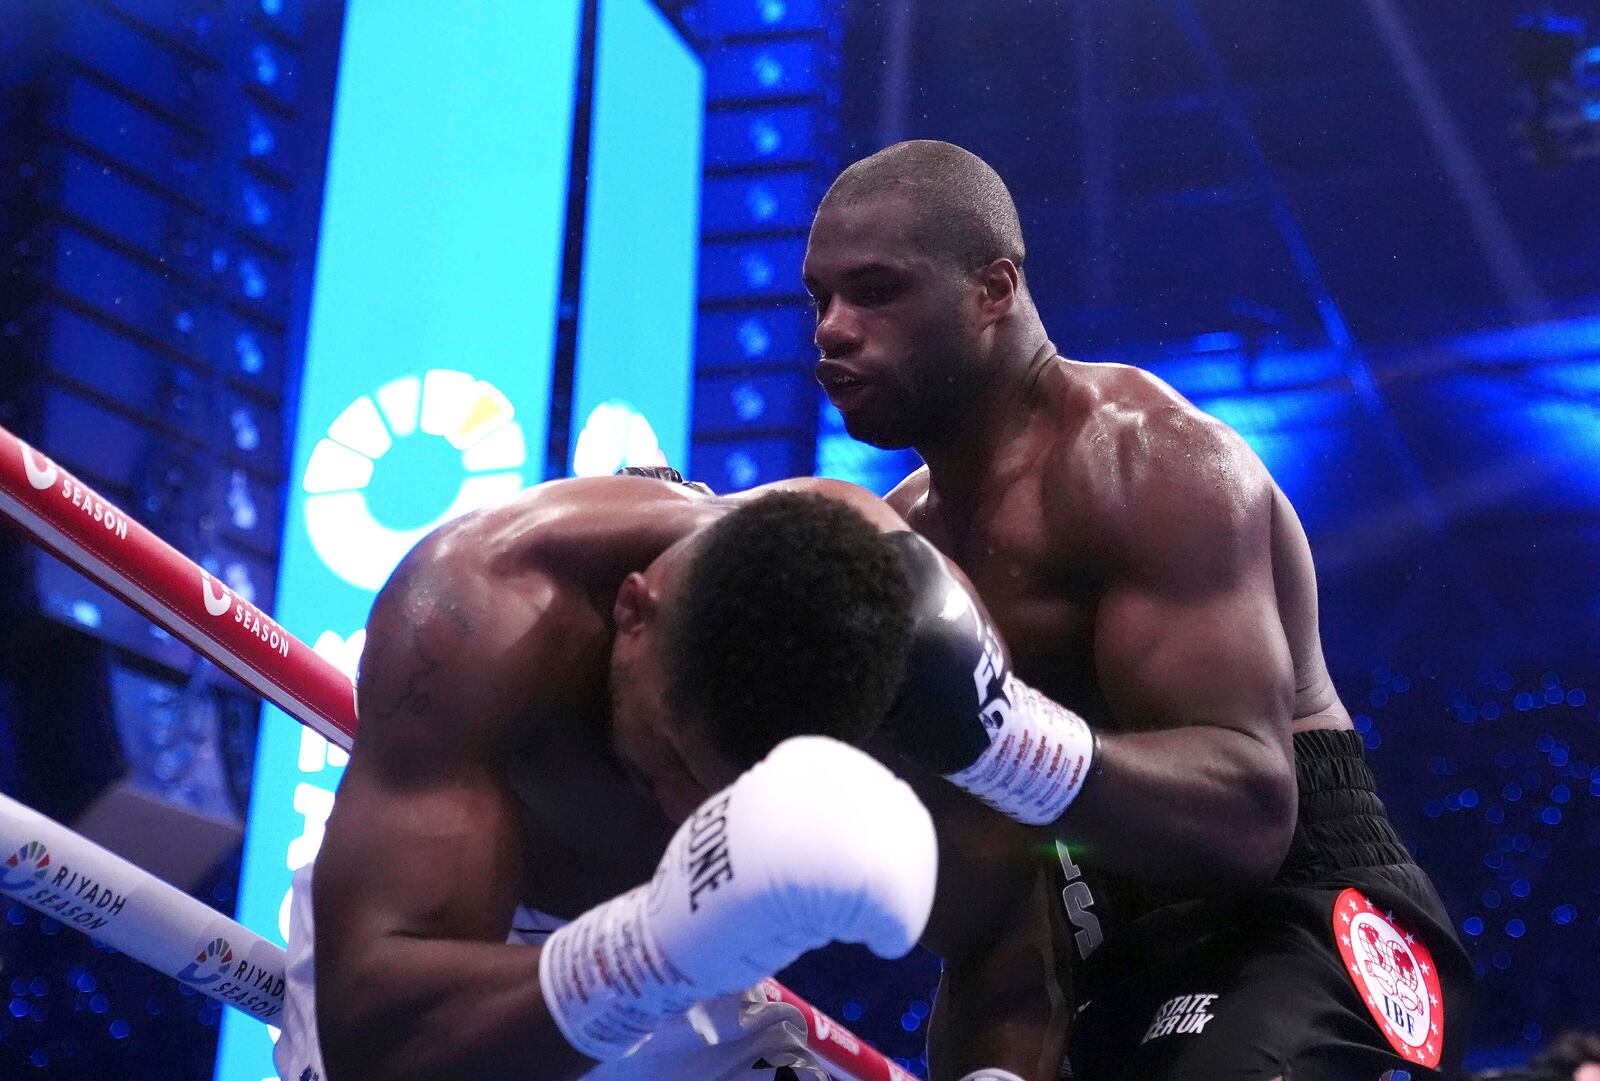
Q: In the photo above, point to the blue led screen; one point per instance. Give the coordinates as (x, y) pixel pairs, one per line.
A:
(428, 360)
(431, 345)
(641, 245)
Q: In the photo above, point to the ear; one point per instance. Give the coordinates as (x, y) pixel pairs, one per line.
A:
(997, 284)
(635, 605)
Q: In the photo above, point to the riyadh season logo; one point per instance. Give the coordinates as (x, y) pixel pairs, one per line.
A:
(40, 477)
(209, 965)
(43, 477)
(442, 427)
(25, 867)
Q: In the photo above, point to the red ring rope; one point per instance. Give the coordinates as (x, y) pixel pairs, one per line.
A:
(67, 517)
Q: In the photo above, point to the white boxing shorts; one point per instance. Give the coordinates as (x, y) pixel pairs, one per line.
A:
(755, 1039)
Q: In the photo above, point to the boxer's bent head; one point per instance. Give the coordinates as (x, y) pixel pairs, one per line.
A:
(790, 615)
(901, 263)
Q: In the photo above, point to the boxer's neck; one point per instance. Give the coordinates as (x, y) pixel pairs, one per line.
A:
(967, 452)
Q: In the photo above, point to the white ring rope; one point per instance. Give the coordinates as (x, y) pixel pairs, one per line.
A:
(167, 929)
(74, 881)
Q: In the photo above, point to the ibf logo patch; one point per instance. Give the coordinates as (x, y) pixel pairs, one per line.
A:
(1395, 976)
(25, 867)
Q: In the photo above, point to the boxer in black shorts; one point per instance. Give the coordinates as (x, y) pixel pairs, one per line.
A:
(1260, 985)
(1151, 692)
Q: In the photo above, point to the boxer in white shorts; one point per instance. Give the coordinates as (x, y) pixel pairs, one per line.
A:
(630, 704)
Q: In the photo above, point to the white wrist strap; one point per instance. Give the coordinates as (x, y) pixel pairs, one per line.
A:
(606, 982)
(1038, 757)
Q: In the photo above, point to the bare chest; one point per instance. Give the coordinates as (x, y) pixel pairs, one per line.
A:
(588, 833)
(1039, 589)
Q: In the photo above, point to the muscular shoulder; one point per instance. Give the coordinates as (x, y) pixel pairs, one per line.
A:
(1168, 485)
(472, 640)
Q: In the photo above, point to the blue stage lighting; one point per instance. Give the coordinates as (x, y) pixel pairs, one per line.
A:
(748, 402)
(260, 141)
(256, 209)
(768, 71)
(758, 271)
(264, 65)
(754, 339)
(765, 136)
(751, 270)
(786, 135)
(742, 469)
(761, 203)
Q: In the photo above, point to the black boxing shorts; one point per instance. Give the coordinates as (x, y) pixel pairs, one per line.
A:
(1345, 969)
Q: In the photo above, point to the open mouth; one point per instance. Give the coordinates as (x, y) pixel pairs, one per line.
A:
(835, 379)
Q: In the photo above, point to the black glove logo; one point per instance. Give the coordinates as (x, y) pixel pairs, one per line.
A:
(990, 680)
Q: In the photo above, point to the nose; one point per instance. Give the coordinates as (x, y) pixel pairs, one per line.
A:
(838, 331)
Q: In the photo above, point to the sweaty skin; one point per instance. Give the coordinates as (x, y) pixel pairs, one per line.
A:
(486, 777)
(1142, 566)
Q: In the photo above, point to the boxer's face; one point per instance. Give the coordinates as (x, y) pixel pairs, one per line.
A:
(666, 754)
(896, 325)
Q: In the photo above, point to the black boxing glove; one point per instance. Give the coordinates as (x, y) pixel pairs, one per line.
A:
(663, 472)
(962, 713)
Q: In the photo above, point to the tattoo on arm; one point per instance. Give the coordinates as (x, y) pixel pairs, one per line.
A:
(409, 664)
(414, 693)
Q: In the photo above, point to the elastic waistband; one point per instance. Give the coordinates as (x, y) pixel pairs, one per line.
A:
(1326, 760)
(1342, 823)
(1342, 837)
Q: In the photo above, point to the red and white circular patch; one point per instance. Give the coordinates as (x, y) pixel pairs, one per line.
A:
(1395, 976)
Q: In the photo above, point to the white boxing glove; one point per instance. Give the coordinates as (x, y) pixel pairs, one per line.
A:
(816, 843)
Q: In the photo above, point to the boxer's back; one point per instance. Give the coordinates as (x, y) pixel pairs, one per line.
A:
(589, 832)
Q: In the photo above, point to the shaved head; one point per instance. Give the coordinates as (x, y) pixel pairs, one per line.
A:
(962, 209)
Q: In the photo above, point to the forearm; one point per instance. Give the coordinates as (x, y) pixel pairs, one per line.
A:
(416, 1008)
(1190, 803)
(1199, 806)
(1177, 802)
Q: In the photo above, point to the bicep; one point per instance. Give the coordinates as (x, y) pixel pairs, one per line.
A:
(437, 859)
(1188, 630)
(425, 838)
(1202, 688)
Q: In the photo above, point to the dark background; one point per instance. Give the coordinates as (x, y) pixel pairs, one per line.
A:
(1366, 234)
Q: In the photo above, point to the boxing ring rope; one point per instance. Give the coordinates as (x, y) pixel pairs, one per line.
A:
(74, 881)
(66, 876)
